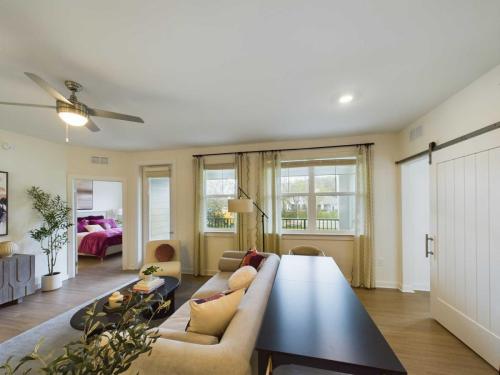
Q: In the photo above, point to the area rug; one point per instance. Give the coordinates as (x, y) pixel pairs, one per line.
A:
(57, 331)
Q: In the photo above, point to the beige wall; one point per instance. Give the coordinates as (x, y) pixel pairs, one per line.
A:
(473, 107)
(31, 161)
(53, 166)
(385, 206)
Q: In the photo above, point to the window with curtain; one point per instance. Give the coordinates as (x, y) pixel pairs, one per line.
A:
(219, 185)
(318, 196)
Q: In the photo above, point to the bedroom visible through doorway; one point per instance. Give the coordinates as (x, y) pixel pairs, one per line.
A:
(98, 224)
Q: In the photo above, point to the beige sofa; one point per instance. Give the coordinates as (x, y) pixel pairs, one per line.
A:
(185, 353)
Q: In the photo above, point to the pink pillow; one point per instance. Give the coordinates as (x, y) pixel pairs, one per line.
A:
(105, 223)
(81, 225)
(164, 253)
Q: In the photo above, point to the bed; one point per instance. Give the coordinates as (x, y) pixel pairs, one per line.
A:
(98, 236)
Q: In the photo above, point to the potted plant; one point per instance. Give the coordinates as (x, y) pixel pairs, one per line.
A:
(52, 233)
(101, 349)
(148, 272)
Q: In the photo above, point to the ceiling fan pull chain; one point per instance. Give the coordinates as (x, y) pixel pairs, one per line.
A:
(67, 133)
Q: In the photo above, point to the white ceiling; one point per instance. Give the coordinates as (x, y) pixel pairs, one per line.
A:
(232, 71)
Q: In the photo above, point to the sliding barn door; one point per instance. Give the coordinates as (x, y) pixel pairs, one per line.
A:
(465, 266)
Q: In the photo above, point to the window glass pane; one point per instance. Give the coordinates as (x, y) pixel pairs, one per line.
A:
(219, 182)
(346, 178)
(295, 180)
(335, 213)
(294, 212)
(217, 216)
(159, 208)
(325, 180)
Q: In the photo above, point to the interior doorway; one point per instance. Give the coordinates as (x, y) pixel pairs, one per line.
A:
(98, 236)
(415, 203)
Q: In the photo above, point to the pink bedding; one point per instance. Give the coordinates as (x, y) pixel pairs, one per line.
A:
(96, 243)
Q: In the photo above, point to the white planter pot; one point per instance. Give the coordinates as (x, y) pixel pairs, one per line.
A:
(51, 282)
(148, 277)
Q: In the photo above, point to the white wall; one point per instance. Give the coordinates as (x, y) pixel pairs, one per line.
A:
(474, 107)
(31, 161)
(107, 195)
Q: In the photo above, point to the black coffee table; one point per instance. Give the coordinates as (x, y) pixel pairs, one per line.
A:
(167, 291)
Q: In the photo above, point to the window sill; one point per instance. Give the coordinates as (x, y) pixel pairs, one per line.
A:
(219, 233)
(339, 236)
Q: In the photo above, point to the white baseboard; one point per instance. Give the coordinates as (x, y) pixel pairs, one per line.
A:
(387, 285)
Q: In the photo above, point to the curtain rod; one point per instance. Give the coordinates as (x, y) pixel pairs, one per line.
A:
(435, 147)
(283, 149)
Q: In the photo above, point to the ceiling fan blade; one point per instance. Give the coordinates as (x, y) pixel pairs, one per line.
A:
(92, 126)
(114, 115)
(44, 85)
(29, 105)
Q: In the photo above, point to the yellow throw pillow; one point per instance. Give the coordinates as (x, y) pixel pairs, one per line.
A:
(211, 316)
(242, 278)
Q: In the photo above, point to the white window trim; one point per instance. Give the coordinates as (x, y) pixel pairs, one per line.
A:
(311, 208)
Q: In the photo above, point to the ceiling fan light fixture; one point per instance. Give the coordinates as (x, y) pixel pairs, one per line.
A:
(73, 115)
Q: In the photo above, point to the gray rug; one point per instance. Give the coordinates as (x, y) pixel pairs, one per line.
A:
(57, 332)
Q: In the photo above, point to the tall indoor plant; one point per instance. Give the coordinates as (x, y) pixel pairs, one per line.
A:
(52, 234)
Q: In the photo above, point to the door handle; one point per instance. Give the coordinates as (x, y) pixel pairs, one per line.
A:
(427, 251)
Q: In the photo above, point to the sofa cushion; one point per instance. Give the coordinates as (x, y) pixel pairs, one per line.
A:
(217, 283)
(242, 278)
(179, 319)
(192, 337)
(164, 253)
(212, 315)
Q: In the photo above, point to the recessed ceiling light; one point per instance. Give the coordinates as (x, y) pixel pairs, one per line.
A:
(346, 98)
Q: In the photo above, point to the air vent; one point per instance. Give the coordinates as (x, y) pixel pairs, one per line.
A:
(99, 160)
(416, 133)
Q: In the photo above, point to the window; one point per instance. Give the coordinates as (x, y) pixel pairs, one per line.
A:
(317, 196)
(219, 186)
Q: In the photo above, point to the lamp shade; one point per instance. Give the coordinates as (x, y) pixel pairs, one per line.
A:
(240, 205)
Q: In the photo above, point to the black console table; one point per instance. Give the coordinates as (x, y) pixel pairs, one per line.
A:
(314, 319)
(17, 277)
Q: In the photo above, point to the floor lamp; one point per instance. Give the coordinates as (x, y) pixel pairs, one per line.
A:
(245, 205)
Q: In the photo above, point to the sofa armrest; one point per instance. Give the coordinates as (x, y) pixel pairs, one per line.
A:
(229, 264)
(234, 254)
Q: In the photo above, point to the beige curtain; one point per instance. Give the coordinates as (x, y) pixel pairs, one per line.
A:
(243, 239)
(199, 230)
(362, 272)
(268, 183)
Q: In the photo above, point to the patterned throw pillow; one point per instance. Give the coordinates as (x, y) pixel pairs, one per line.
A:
(252, 258)
(164, 253)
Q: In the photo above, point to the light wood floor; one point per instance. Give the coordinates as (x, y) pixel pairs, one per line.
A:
(421, 344)
(94, 279)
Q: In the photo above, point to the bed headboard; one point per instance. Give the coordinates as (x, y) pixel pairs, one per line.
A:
(90, 213)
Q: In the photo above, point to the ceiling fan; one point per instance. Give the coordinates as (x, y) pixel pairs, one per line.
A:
(71, 111)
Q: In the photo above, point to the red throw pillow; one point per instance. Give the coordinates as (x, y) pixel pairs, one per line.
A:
(164, 253)
(252, 258)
